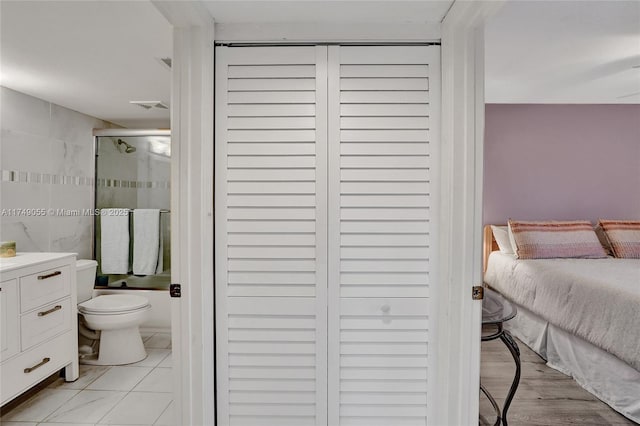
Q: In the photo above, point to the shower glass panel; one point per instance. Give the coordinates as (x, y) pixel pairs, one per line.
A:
(133, 171)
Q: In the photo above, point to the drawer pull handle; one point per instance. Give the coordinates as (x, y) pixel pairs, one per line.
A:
(385, 308)
(51, 275)
(50, 311)
(40, 364)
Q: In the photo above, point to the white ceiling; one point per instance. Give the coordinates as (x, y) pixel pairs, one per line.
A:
(350, 11)
(90, 56)
(96, 56)
(564, 52)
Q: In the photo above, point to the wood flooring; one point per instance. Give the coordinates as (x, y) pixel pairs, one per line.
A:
(544, 396)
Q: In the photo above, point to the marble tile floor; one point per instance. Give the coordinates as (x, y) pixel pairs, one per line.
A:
(140, 394)
(135, 394)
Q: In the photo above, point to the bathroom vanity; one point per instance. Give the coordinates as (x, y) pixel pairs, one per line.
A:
(38, 320)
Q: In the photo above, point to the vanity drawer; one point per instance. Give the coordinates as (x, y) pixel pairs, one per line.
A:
(43, 287)
(45, 322)
(34, 365)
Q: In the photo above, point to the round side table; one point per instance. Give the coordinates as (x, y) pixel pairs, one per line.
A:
(496, 310)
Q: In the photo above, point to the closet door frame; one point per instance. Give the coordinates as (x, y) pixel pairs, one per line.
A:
(194, 35)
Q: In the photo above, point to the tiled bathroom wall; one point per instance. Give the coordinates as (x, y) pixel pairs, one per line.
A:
(117, 176)
(139, 179)
(48, 168)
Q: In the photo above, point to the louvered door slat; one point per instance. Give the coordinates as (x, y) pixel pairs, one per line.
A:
(384, 110)
(382, 196)
(271, 84)
(270, 135)
(392, 71)
(263, 123)
(384, 97)
(271, 110)
(272, 71)
(272, 97)
(271, 236)
(388, 83)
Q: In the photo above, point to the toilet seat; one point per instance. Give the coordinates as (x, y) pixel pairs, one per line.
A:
(113, 304)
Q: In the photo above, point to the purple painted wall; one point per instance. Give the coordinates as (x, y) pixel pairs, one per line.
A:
(563, 162)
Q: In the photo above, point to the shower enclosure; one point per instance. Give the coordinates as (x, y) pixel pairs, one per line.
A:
(133, 171)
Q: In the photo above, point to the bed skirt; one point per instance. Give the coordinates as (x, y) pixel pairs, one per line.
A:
(613, 381)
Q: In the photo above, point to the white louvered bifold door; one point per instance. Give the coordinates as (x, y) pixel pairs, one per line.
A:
(270, 236)
(383, 146)
(325, 233)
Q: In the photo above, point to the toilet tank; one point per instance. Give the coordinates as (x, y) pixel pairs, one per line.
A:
(85, 278)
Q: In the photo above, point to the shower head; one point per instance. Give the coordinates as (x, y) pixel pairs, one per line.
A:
(128, 148)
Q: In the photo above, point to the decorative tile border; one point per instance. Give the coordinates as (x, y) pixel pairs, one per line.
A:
(17, 176)
(118, 183)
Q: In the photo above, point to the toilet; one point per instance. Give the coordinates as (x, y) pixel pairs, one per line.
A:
(116, 317)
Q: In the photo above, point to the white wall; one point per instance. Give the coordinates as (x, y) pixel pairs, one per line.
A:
(46, 160)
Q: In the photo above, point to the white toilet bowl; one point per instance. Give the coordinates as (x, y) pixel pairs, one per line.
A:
(117, 317)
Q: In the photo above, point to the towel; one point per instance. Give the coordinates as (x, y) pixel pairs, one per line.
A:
(160, 266)
(114, 241)
(146, 241)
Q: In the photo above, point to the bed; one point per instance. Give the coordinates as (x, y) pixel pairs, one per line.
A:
(581, 315)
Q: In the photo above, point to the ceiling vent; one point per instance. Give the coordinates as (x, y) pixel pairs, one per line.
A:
(150, 104)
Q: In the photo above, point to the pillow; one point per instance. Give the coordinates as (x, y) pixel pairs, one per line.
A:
(547, 240)
(514, 246)
(623, 236)
(501, 234)
(602, 237)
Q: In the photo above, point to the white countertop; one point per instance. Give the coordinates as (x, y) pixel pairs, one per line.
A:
(24, 259)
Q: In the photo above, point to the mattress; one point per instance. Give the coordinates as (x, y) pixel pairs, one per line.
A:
(597, 300)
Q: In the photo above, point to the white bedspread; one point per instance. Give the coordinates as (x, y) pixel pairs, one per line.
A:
(596, 299)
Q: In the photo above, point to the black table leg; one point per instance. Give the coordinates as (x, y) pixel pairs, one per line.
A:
(493, 403)
(515, 353)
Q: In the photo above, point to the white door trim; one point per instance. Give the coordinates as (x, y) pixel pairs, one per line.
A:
(461, 211)
(328, 32)
(192, 215)
(192, 219)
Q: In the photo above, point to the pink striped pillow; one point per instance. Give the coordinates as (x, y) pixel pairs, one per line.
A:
(623, 236)
(547, 240)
